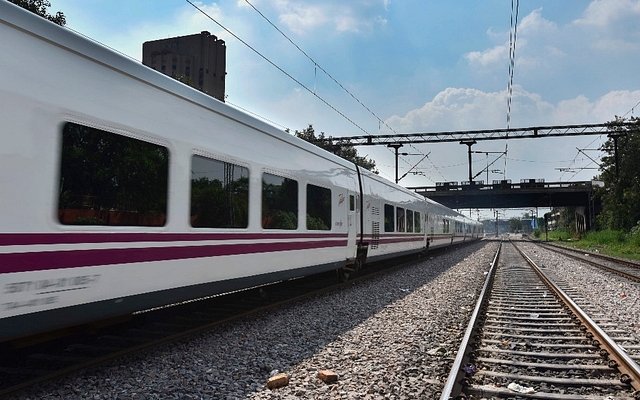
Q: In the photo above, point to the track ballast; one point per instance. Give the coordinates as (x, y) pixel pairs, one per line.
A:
(529, 343)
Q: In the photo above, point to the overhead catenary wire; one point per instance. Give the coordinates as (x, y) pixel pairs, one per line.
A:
(593, 141)
(577, 154)
(258, 115)
(631, 110)
(278, 67)
(513, 35)
(318, 66)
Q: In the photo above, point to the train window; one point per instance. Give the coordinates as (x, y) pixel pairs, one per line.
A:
(400, 219)
(352, 202)
(418, 222)
(409, 221)
(219, 194)
(110, 179)
(279, 202)
(389, 218)
(318, 208)
(445, 226)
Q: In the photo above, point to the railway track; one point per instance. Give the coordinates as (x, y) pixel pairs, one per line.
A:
(27, 363)
(626, 268)
(532, 338)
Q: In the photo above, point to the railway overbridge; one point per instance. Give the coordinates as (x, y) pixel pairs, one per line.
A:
(526, 193)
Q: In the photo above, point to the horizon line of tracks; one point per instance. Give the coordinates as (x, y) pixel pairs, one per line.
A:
(529, 339)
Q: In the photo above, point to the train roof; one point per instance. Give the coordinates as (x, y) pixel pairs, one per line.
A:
(64, 38)
(32, 24)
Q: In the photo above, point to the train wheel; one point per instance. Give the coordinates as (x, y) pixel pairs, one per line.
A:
(345, 272)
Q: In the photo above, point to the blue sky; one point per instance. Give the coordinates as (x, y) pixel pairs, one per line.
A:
(419, 65)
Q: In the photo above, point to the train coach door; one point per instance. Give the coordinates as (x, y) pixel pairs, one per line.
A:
(353, 225)
(354, 222)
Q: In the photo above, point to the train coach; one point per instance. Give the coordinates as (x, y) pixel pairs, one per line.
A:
(123, 189)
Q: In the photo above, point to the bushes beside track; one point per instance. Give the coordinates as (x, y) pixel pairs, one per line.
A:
(611, 242)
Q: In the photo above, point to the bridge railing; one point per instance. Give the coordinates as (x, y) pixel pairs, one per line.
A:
(502, 185)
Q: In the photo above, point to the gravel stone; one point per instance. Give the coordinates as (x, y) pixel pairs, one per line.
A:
(616, 297)
(392, 337)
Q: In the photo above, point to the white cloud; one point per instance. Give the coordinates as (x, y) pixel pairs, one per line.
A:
(618, 102)
(534, 23)
(603, 13)
(613, 24)
(616, 45)
(535, 45)
(302, 17)
(191, 17)
(457, 109)
(495, 55)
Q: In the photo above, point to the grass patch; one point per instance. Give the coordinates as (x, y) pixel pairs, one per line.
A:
(614, 243)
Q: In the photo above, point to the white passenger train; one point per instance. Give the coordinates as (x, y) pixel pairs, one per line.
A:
(123, 189)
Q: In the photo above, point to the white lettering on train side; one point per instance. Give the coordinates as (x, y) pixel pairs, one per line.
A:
(41, 301)
(50, 284)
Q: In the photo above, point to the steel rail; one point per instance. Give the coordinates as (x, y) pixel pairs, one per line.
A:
(451, 388)
(628, 368)
(566, 251)
(624, 274)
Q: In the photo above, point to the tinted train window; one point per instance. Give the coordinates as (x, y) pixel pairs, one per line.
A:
(219, 194)
(445, 226)
(400, 219)
(409, 221)
(279, 202)
(389, 218)
(418, 222)
(318, 208)
(110, 179)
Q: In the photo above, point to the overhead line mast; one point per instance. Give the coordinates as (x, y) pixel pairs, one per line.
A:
(472, 137)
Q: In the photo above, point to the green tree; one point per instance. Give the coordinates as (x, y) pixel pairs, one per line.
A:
(515, 225)
(620, 195)
(566, 219)
(40, 7)
(337, 147)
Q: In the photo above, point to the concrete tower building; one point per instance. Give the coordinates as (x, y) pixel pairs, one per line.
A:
(198, 60)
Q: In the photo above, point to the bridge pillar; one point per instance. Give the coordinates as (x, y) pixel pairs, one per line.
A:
(581, 220)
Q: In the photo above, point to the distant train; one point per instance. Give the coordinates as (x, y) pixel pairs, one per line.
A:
(123, 189)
